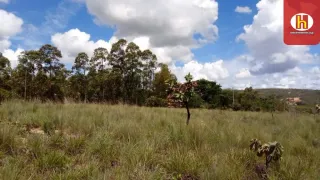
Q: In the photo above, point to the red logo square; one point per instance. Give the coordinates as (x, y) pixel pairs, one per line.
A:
(301, 22)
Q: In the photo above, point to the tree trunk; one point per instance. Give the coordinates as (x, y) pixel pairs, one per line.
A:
(103, 94)
(25, 86)
(188, 112)
(86, 86)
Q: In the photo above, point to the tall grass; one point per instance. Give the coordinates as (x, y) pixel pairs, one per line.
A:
(91, 141)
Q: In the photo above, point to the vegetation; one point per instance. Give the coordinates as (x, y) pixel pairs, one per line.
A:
(124, 75)
(94, 141)
(182, 94)
(272, 150)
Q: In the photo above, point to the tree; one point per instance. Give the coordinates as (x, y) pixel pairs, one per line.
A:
(132, 73)
(248, 99)
(57, 73)
(31, 65)
(159, 83)
(4, 77)
(270, 103)
(50, 56)
(149, 62)
(99, 58)
(81, 66)
(99, 78)
(209, 91)
(116, 59)
(182, 93)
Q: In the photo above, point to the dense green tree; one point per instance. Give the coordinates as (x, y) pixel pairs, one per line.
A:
(81, 67)
(249, 99)
(209, 91)
(5, 70)
(98, 76)
(159, 83)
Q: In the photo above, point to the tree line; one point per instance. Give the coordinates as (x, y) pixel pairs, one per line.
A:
(126, 74)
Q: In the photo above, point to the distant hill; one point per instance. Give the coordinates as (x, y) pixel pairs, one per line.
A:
(308, 96)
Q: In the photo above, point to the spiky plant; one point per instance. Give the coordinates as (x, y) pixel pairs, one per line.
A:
(271, 150)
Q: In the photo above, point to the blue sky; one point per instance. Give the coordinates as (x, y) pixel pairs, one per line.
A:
(258, 58)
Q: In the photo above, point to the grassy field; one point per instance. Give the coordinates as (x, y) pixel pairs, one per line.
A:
(90, 141)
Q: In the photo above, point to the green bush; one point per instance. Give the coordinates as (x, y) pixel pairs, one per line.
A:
(196, 101)
(156, 102)
(236, 107)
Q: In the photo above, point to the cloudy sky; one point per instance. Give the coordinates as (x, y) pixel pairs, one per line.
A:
(236, 43)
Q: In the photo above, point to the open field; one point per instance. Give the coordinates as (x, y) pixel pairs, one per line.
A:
(90, 141)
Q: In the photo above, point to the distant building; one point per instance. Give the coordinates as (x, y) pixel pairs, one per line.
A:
(294, 100)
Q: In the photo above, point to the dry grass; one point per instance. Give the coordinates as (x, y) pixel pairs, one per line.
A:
(90, 141)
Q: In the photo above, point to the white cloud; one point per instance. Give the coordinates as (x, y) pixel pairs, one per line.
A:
(10, 26)
(264, 38)
(13, 56)
(210, 70)
(166, 26)
(315, 70)
(243, 73)
(4, 1)
(74, 41)
(243, 9)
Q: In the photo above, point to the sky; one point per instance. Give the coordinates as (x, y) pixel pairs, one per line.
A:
(235, 43)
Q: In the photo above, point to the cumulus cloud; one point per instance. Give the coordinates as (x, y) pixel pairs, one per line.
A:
(243, 9)
(264, 38)
(13, 56)
(210, 70)
(75, 41)
(243, 73)
(10, 26)
(166, 25)
(166, 22)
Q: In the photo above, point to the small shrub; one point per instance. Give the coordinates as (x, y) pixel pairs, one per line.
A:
(76, 145)
(56, 161)
(7, 139)
(48, 127)
(236, 107)
(36, 146)
(57, 141)
(156, 102)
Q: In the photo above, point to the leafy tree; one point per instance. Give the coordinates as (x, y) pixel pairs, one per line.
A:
(116, 59)
(132, 72)
(160, 84)
(50, 56)
(270, 103)
(99, 58)
(209, 91)
(99, 80)
(149, 63)
(249, 99)
(81, 66)
(4, 77)
(182, 93)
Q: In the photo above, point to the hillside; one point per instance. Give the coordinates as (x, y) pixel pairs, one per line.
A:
(308, 96)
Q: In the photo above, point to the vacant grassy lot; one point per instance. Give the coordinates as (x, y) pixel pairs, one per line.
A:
(78, 141)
